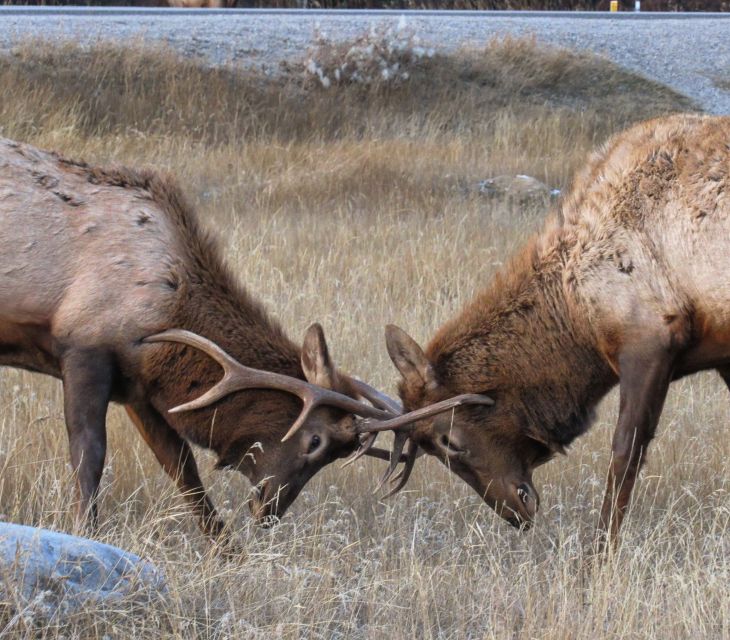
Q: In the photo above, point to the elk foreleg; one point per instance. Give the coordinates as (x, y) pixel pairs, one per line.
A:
(87, 381)
(176, 458)
(644, 381)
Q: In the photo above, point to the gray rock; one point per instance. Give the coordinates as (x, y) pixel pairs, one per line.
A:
(519, 189)
(50, 575)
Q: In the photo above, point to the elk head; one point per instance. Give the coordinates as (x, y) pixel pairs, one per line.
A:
(481, 441)
(326, 428)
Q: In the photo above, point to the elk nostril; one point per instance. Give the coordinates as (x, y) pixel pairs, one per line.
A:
(528, 499)
(523, 494)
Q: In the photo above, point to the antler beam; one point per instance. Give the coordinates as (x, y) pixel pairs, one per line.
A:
(237, 377)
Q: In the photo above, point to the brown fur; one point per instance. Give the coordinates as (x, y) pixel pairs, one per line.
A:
(92, 261)
(629, 284)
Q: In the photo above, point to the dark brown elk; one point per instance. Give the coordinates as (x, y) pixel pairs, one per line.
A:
(628, 284)
(94, 261)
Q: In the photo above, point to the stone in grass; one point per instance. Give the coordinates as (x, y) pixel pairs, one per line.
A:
(519, 189)
(47, 576)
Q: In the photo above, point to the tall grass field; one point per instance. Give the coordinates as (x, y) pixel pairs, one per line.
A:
(355, 205)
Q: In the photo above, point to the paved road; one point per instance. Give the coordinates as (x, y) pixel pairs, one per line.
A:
(684, 51)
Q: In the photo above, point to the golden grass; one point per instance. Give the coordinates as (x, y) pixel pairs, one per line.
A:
(356, 207)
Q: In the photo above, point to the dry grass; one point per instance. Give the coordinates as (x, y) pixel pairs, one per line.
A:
(355, 207)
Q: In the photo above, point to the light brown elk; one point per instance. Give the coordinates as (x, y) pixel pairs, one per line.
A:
(629, 284)
(92, 263)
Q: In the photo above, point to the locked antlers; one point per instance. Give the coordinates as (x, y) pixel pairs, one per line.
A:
(402, 425)
(382, 414)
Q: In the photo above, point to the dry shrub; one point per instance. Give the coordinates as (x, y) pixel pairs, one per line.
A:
(384, 55)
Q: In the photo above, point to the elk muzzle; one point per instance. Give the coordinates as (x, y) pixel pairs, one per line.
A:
(521, 505)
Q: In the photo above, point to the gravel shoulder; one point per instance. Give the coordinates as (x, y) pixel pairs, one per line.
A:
(685, 54)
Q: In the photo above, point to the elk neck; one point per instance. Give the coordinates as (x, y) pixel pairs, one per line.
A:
(522, 339)
(211, 302)
(240, 326)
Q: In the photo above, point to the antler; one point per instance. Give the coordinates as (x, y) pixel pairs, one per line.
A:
(371, 428)
(237, 377)
(405, 419)
(377, 398)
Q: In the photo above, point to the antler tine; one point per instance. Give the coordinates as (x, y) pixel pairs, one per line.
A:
(365, 448)
(399, 441)
(210, 348)
(369, 426)
(199, 342)
(311, 402)
(238, 377)
(377, 398)
(402, 477)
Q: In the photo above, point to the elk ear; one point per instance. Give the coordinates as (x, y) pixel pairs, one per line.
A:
(316, 362)
(409, 358)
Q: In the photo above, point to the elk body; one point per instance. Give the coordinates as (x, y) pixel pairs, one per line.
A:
(94, 261)
(629, 284)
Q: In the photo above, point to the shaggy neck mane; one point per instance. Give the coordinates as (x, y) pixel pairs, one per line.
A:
(518, 337)
(215, 304)
(210, 301)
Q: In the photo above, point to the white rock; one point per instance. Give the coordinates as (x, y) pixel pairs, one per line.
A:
(49, 574)
(519, 188)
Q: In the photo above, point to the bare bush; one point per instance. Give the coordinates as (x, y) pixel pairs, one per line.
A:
(386, 54)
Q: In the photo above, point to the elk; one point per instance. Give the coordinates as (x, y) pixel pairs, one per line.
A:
(98, 267)
(627, 284)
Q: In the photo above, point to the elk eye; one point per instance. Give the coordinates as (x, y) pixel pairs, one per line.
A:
(314, 444)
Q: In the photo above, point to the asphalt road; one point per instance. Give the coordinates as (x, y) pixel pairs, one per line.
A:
(685, 51)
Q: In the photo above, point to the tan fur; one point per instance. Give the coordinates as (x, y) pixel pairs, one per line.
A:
(632, 275)
(92, 261)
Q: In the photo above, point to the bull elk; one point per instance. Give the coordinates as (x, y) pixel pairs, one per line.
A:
(99, 266)
(628, 284)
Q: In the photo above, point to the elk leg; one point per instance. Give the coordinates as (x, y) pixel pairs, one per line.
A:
(644, 381)
(176, 458)
(87, 382)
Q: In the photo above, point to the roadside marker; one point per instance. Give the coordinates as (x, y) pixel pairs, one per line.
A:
(614, 5)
